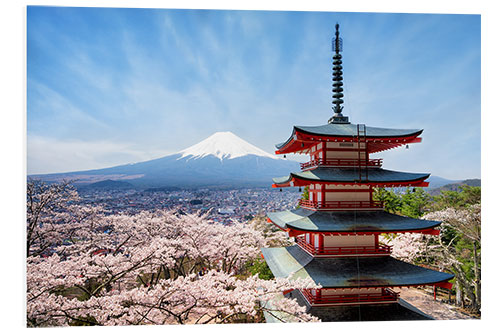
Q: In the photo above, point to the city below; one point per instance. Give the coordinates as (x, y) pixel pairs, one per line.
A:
(224, 206)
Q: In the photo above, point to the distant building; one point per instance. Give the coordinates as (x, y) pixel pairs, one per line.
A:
(196, 202)
(226, 211)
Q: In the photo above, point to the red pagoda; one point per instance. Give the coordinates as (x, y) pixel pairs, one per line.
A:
(337, 228)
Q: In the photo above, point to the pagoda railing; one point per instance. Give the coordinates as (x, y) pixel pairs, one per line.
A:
(381, 249)
(387, 296)
(342, 162)
(340, 205)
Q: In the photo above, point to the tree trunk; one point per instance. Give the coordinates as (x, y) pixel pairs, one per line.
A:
(458, 296)
(477, 278)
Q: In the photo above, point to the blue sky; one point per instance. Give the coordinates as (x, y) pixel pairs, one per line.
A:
(112, 86)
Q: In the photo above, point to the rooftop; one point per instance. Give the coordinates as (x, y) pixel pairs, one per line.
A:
(377, 138)
(351, 175)
(347, 221)
(355, 272)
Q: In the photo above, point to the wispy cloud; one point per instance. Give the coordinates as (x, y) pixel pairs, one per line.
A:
(51, 111)
(48, 155)
(162, 80)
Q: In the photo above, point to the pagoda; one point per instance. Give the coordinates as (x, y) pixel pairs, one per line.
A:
(337, 228)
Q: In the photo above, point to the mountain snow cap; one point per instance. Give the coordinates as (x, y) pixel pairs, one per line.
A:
(223, 145)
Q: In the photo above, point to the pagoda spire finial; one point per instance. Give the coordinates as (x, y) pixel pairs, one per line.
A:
(337, 90)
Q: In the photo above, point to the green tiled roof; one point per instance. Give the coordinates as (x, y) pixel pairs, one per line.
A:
(347, 221)
(349, 272)
(346, 130)
(375, 175)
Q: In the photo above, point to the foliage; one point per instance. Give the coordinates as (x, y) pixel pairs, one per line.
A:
(85, 268)
(415, 202)
(458, 247)
(464, 197)
(271, 233)
(407, 246)
(48, 209)
(259, 266)
(392, 201)
(305, 193)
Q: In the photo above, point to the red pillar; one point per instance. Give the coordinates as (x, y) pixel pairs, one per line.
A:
(371, 195)
(323, 194)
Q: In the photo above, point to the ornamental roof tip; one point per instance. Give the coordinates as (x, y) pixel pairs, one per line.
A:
(337, 90)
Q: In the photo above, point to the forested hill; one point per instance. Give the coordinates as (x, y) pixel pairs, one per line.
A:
(455, 186)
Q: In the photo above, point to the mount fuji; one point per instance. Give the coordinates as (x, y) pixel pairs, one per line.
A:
(223, 145)
(221, 160)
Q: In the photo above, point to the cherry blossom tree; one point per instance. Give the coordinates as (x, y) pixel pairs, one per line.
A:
(215, 297)
(460, 241)
(43, 203)
(407, 246)
(88, 268)
(273, 236)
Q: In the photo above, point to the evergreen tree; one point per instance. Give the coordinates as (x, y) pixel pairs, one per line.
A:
(392, 201)
(415, 202)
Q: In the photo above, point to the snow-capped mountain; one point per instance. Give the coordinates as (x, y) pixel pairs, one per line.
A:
(223, 159)
(223, 145)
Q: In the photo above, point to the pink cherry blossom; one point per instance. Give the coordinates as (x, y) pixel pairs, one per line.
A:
(148, 268)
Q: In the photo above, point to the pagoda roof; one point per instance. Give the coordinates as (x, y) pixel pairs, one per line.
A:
(378, 138)
(375, 176)
(347, 221)
(352, 272)
(341, 130)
